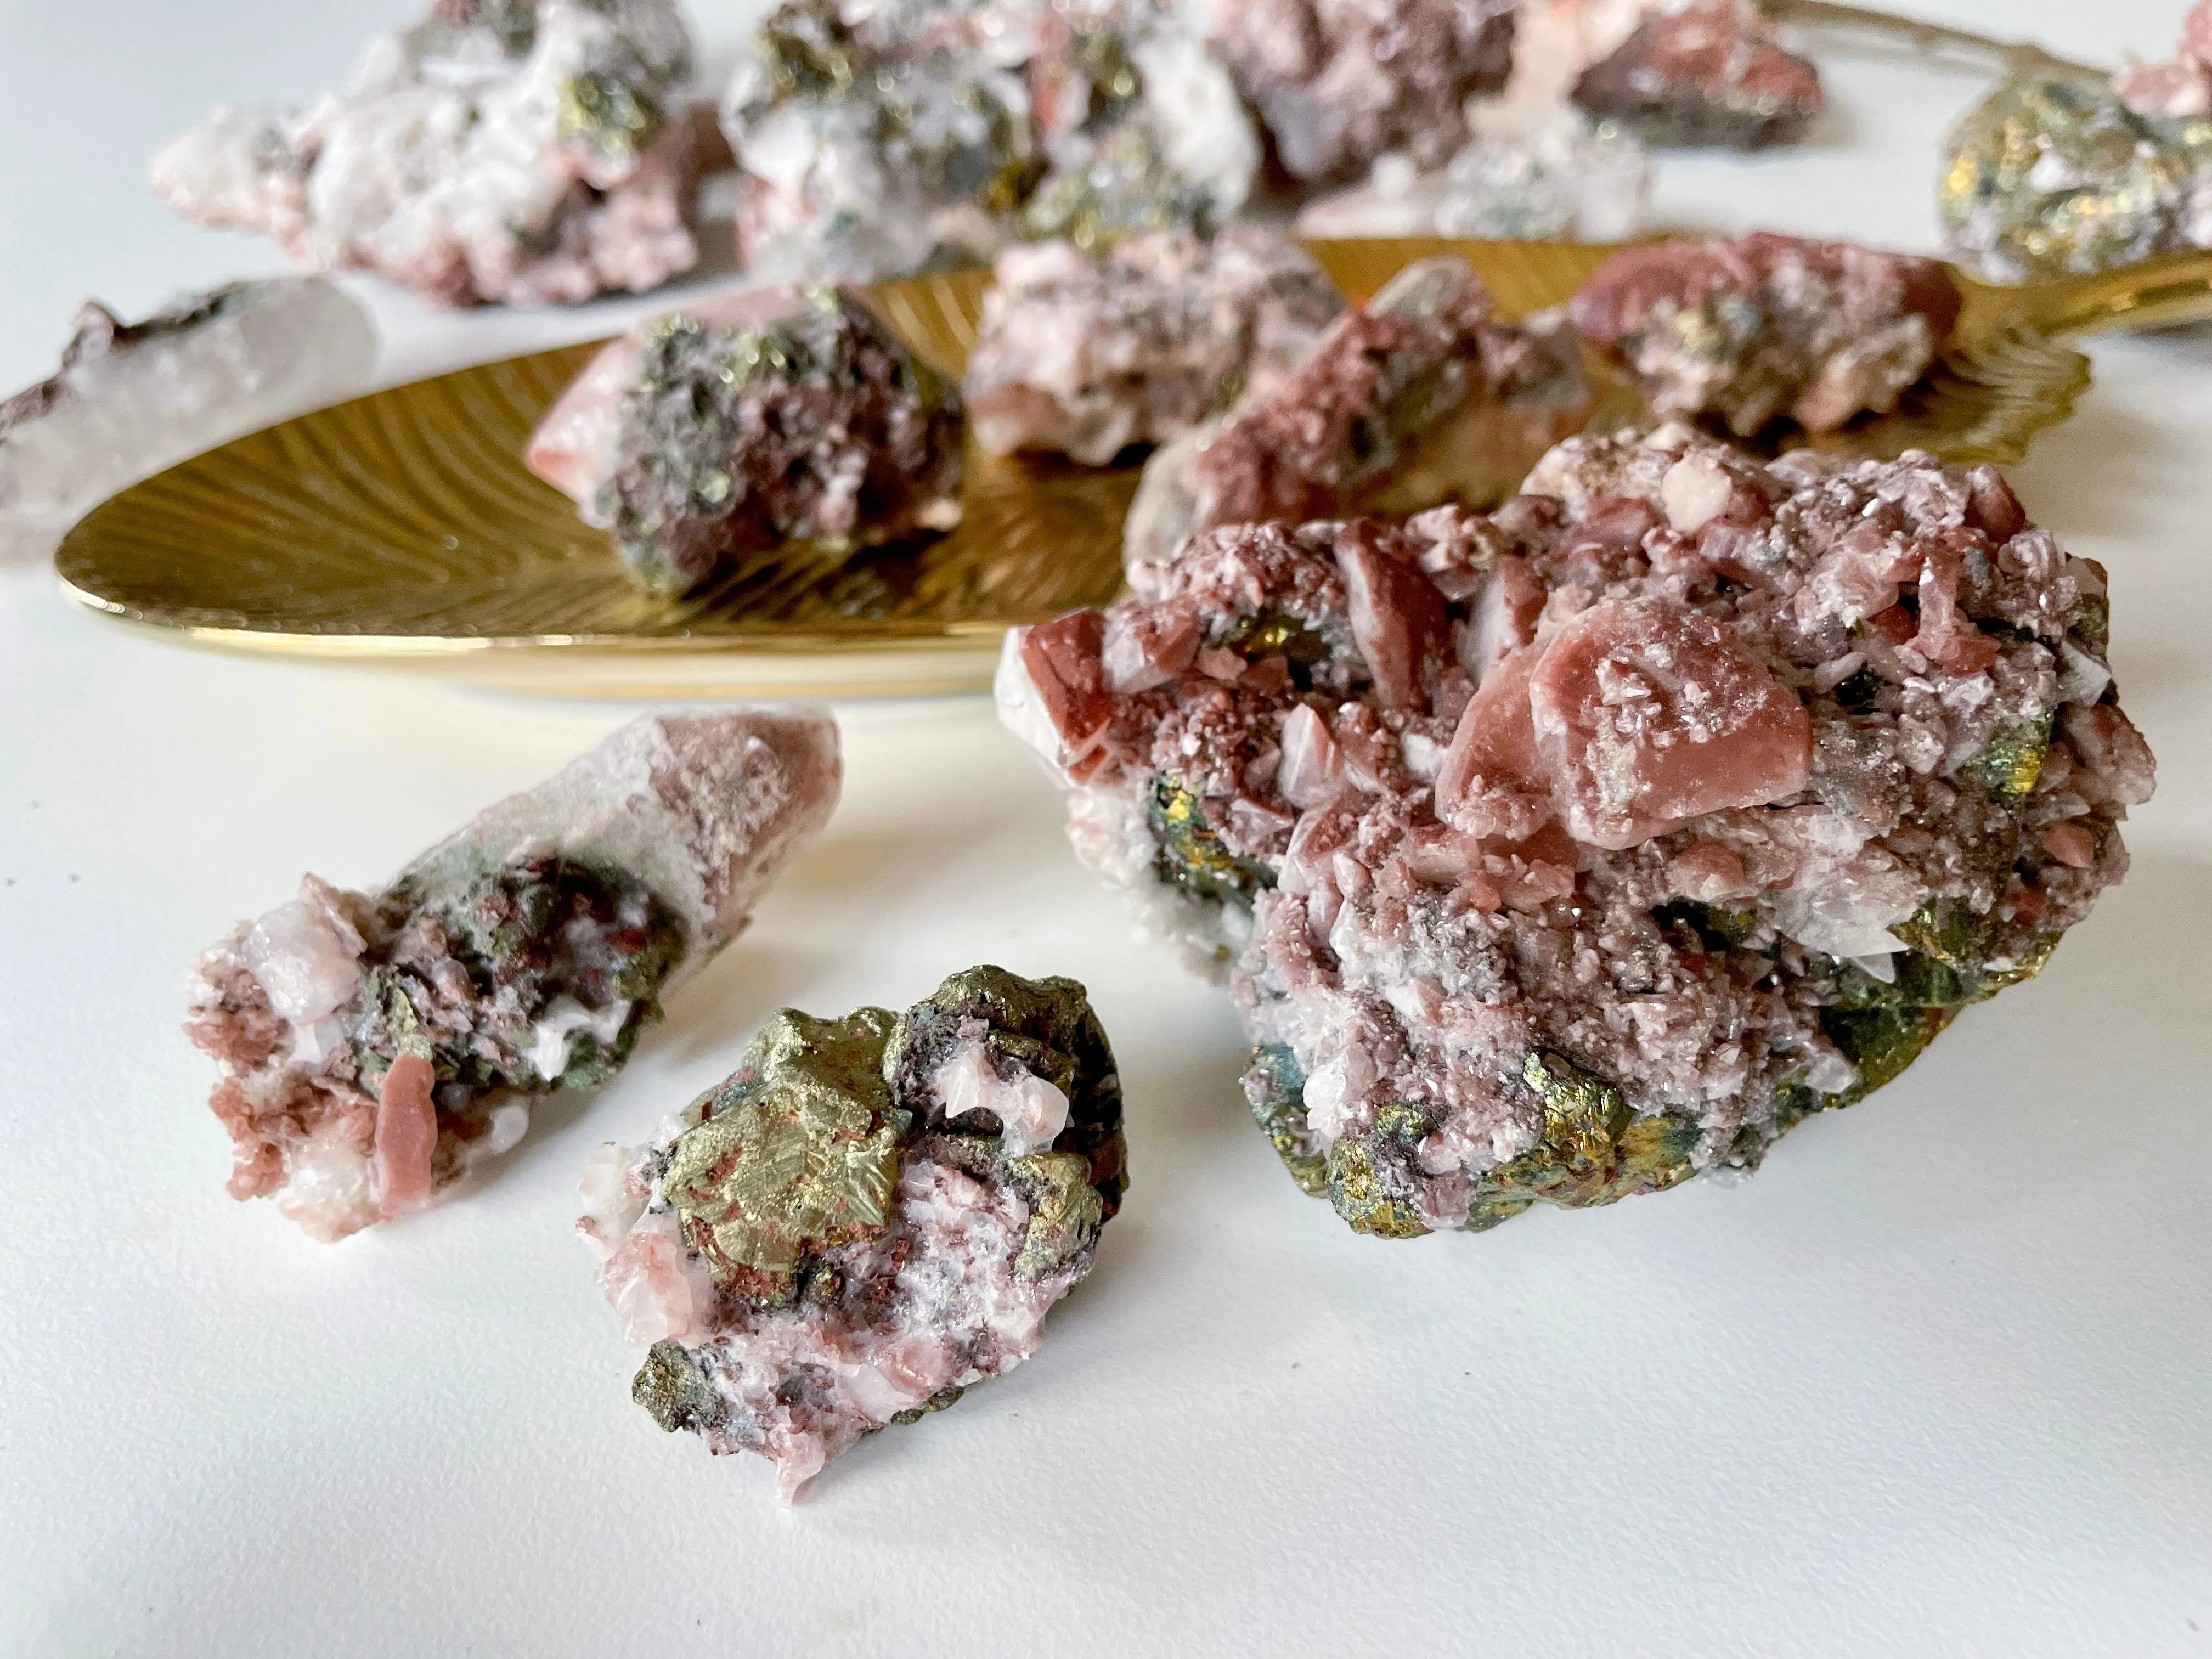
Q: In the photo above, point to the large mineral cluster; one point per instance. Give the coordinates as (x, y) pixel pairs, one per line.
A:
(875, 141)
(1419, 396)
(872, 1215)
(522, 151)
(1087, 355)
(374, 1047)
(1567, 852)
(1768, 326)
(742, 422)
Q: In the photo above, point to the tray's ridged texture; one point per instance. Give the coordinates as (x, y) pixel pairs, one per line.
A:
(403, 524)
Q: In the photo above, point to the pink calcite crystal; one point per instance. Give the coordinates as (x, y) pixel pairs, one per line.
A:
(1709, 73)
(1566, 852)
(2180, 89)
(374, 1047)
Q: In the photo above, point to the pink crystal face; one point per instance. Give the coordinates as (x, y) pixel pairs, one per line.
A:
(1566, 851)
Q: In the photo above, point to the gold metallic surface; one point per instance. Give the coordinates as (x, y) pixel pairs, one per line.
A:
(401, 529)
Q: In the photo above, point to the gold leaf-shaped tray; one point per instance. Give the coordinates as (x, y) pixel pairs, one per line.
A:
(401, 529)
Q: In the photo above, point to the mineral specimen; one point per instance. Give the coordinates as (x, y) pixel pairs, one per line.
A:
(375, 1047)
(1339, 82)
(522, 151)
(742, 422)
(876, 140)
(1089, 355)
(2050, 176)
(1565, 853)
(872, 1215)
(1768, 326)
(1416, 398)
(1528, 176)
(2180, 89)
(131, 398)
(1711, 74)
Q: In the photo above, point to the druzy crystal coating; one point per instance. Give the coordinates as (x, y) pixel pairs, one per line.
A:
(522, 151)
(872, 1215)
(1087, 355)
(1566, 851)
(1768, 326)
(373, 1047)
(742, 422)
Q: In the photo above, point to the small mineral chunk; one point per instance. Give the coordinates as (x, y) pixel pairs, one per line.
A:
(740, 424)
(1709, 73)
(1089, 355)
(131, 398)
(1340, 82)
(2180, 88)
(375, 1047)
(1418, 397)
(1768, 326)
(872, 1215)
(525, 152)
(1566, 852)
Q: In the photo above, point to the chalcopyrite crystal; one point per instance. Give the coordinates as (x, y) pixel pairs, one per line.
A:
(1565, 853)
(872, 1215)
(1709, 73)
(375, 1047)
(1339, 82)
(1087, 355)
(742, 422)
(876, 141)
(2050, 176)
(131, 398)
(1768, 326)
(1529, 174)
(526, 152)
(1417, 398)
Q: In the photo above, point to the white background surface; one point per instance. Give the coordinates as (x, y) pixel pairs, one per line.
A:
(1933, 1382)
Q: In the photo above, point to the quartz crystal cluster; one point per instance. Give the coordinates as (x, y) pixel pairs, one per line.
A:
(2052, 175)
(1089, 355)
(374, 1047)
(872, 1215)
(1565, 853)
(742, 422)
(1768, 326)
(1711, 73)
(521, 151)
(131, 398)
(1418, 397)
(876, 140)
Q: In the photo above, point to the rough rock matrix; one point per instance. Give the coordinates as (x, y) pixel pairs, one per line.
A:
(876, 141)
(1418, 397)
(2050, 176)
(527, 152)
(2180, 88)
(1768, 326)
(872, 1215)
(1566, 853)
(1711, 74)
(1339, 82)
(131, 398)
(1089, 355)
(374, 1047)
(740, 424)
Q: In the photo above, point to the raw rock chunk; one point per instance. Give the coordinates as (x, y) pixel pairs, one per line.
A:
(1419, 397)
(1339, 82)
(1768, 326)
(1566, 851)
(527, 152)
(374, 1047)
(131, 398)
(876, 140)
(2180, 89)
(1709, 73)
(872, 1215)
(742, 422)
(1088, 356)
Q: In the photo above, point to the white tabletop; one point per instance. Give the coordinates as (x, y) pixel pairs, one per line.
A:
(1933, 1382)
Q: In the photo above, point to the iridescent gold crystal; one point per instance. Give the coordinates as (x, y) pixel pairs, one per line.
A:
(1065, 1209)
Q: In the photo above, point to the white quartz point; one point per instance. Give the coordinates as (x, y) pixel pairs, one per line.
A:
(130, 399)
